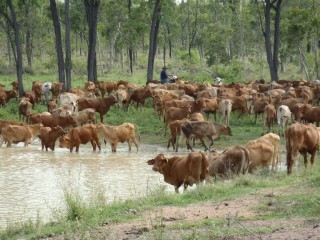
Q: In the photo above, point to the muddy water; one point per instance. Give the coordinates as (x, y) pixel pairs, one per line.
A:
(32, 180)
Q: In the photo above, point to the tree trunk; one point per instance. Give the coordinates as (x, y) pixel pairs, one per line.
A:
(17, 51)
(68, 48)
(272, 56)
(57, 31)
(316, 62)
(8, 43)
(153, 39)
(130, 50)
(92, 11)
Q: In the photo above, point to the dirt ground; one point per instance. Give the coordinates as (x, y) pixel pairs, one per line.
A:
(156, 224)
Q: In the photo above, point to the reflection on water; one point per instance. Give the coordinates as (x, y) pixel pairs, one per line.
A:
(32, 180)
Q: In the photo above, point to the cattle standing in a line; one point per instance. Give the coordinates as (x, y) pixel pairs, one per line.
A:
(178, 170)
(303, 139)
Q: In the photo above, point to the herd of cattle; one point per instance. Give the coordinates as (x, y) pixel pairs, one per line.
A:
(71, 120)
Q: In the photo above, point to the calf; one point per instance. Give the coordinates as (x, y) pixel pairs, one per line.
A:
(178, 170)
(303, 139)
(201, 130)
(232, 161)
(121, 133)
(14, 134)
(49, 137)
(80, 135)
(106, 87)
(175, 129)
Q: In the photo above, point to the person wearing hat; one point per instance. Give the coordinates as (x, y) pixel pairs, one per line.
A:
(164, 76)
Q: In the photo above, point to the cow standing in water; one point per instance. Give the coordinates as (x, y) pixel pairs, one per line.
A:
(178, 170)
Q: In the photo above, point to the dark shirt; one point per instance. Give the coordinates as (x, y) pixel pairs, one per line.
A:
(163, 75)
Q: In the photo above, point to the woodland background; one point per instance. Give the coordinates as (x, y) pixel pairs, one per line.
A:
(237, 40)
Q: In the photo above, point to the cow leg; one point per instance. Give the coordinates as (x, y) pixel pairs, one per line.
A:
(94, 145)
(134, 140)
(101, 118)
(77, 147)
(188, 144)
(313, 154)
(113, 147)
(129, 144)
(176, 188)
(305, 158)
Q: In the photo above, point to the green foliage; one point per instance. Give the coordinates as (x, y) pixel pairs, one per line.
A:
(232, 72)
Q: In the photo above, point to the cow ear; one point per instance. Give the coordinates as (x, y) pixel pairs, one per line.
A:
(150, 162)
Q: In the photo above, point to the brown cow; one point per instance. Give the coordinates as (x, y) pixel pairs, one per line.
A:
(269, 116)
(303, 139)
(52, 120)
(312, 114)
(101, 105)
(14, 134)
(234, 160)
(174, 113)
(37, 89)
(274, 140)
(140, 95)
(87, 115)
(106, 87)
(24, 109)
(175, 129)
(4, 123)
(80, 135)
(261, 154)
(121, 133)
(49, 137)
(201, 130)
(56, 89)
(178, 170)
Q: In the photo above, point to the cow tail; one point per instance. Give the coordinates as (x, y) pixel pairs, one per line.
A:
(245, 160)
(137, 129)
(205, 167)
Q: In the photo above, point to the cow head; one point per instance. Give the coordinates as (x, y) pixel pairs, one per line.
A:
(65, 142)
(159, 162)
(226, 130)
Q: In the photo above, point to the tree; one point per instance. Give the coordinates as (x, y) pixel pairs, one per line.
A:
(153, 39)
(59, 50)
(18, 50)
(68, 48)
(92, 11)
(272, 56)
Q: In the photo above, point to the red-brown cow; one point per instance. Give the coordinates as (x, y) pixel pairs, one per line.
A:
(303, 139)
(178, 170)
(102, 106)
(49, 137)
(80, 135)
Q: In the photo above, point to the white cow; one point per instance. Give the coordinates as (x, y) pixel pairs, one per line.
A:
(283, 117)
(224, 108)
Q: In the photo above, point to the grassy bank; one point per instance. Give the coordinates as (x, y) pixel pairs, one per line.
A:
(301, 199)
